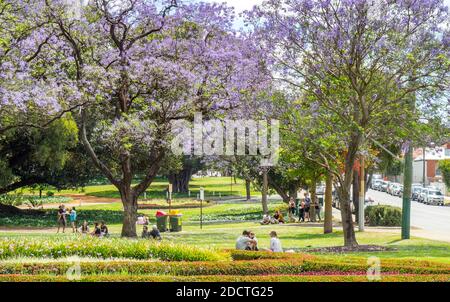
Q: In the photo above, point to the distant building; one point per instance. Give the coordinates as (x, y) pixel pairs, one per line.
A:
(432, 158)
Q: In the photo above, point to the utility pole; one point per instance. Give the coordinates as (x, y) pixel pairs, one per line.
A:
(407, 184)
(362, 193)
(424, 177)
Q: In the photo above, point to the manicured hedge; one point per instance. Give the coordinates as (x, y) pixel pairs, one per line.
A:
(382, 215)
(88, 246)
(263, 267)
(231, 278)
(252, 255)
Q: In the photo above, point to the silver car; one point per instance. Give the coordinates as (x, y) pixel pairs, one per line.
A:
(433, 197)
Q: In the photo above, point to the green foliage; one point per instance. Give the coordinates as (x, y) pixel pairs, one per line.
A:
(88, 246)
(217, 268)
(229, 278)
(444, 166)
(32, 201)
(382, 215)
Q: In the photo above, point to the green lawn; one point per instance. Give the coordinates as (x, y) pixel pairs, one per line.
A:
(223, 223)
(213, 187)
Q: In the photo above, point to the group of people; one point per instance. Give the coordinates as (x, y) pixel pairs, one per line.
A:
(100, 228)
(303, 209)
(248, 242)
(277, 218)
(153, 234)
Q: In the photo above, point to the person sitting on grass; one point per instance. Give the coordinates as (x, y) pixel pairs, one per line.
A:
(244, 241)
(145, 232)
(275, 243)
(73, 220)
(104, 230)
(97, 231)
(266, 219)
(278, 217)
(155, 234)
(84, 228)
(253, 246)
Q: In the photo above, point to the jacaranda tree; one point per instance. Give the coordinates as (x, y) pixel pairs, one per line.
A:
(135, 66)
(360, 65)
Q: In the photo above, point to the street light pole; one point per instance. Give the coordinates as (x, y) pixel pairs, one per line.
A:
(407, 192)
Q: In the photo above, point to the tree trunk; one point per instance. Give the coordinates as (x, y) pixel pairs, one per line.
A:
(278, 189)
(130, 207)
(347, 219)
(265, 190)
(293, 192)
(328, 220)
(247, 189)
(312, 209)
(355, 194)
(180, 180)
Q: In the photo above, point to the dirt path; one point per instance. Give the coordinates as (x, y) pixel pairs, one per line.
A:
(79, 200)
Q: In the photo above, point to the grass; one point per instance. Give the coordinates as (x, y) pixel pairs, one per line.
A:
(213, 187)
(222, 225)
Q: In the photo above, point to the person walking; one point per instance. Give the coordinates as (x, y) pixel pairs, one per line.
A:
(307, 207)
(73, 220)
(301, 211)
(291, 209)
(62, 220)
(317, 208)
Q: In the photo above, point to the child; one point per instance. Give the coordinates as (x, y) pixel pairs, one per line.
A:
(84, 229)
(73, 220)
(275, 243)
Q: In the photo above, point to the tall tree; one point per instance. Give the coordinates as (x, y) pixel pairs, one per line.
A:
(356, 63)
(136, 67)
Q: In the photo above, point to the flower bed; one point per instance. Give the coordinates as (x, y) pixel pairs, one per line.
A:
(87, 246)
(242, 268)
(270, 278)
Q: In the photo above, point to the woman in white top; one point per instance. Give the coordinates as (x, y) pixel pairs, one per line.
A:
(275, 243)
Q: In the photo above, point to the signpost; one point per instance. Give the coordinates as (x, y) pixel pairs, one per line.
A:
(169, 196)
(362, 193)
(202, 197)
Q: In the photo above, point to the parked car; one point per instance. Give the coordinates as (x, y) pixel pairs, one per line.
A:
(397, 190)
(416, 192)
(384, 186)
(390, 187)
(432, 196)
(376, 183)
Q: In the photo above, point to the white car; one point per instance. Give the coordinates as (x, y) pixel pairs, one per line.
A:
(397, 190)
(432, 197)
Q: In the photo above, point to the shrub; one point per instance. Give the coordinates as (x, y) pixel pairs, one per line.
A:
(382, 215)
(251, 255)
(231, 278)
(85, 246)
(50, 194)
(223, 268)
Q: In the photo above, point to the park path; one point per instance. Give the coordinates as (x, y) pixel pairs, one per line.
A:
(79, 200)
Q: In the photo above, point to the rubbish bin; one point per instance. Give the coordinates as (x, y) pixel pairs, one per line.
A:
(162, 220)
(321, 200)
(175, 223)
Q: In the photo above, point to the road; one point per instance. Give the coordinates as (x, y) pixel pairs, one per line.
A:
(432, 220)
